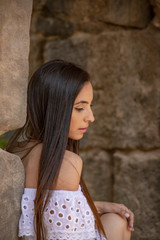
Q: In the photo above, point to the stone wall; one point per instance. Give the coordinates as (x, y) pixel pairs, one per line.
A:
(118, 42)
(14, 50)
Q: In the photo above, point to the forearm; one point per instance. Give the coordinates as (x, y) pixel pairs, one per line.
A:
(103, 207)
(122, 210)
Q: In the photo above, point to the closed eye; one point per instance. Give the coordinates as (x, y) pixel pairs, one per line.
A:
(79, 109)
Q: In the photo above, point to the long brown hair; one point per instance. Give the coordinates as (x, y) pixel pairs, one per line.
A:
(50, 98)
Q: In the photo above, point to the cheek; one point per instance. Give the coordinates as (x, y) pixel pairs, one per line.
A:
(76, 121)
(73, 123)
(72, 129)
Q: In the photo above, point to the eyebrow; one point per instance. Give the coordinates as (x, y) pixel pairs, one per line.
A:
(81, 102)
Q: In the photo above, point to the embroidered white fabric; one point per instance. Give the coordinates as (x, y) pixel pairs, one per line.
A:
(67, 216)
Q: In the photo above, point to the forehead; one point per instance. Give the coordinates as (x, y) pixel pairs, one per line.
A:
(86, 93)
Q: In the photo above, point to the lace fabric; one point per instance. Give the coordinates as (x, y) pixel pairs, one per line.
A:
(66, 216)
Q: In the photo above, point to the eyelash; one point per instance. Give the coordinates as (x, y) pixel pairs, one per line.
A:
(80, 109)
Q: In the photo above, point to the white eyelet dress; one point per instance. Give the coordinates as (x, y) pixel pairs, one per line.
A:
(67, 216)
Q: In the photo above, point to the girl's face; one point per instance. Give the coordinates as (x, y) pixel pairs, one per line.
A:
(82, 113)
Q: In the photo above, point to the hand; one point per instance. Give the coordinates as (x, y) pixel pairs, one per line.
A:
(122, 210)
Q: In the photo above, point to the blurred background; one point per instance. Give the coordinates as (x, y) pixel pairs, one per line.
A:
(118, 43)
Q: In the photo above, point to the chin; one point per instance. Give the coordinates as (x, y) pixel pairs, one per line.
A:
(76, 137)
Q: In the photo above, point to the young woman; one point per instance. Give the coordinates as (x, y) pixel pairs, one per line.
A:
(56, 204)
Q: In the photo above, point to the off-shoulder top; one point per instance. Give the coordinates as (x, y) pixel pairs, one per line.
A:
(67, 216)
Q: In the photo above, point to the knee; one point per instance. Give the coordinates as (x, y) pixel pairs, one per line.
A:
(115, 226)
(115, 219)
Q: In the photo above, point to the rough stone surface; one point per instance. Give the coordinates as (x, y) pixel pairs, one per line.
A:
(136, 184)
(124, 71)
(156, 9)
(124, 66)
(14, 49)
(130, 13)
(11, 189)
(97, 173)
(76, 49)
(65, 17)
(37, 47)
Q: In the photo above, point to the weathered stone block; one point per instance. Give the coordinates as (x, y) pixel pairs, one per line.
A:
(74, 49)
(11, 189)
(137, 185)
(36, 53)
(97, 174)
(14, 39)
(130, 13)
(125, 76)
(65, 17)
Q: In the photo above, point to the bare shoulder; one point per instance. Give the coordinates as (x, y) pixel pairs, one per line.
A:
(31, 164)
(33, 158)
(70, 172)
(36, 151)
(69, 175)
(73, 158)
(73, 161)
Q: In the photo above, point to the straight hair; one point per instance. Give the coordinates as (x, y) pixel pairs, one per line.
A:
(50, 97)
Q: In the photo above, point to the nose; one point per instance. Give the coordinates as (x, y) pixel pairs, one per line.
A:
(90, 117)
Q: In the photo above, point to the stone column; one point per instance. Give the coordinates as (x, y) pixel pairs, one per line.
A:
(14, 49)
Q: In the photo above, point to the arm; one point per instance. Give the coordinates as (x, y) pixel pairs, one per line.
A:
(70, 172)
(69, 175)
(122, 210)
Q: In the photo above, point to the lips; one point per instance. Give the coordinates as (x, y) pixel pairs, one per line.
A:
(83, 130)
